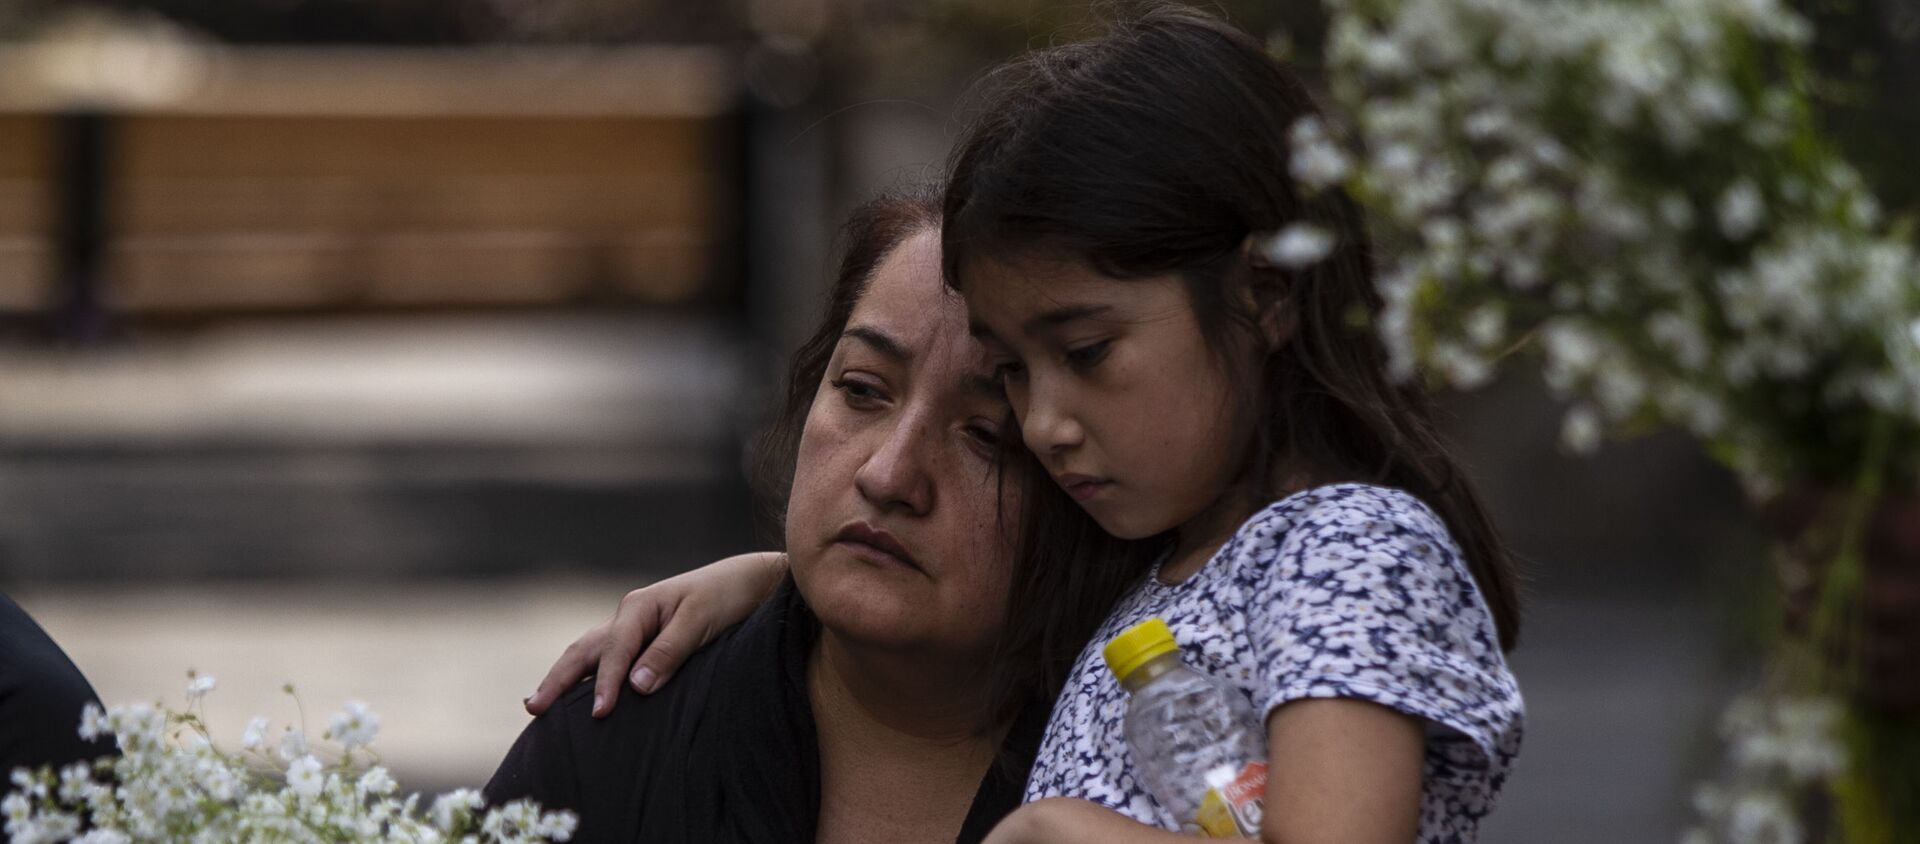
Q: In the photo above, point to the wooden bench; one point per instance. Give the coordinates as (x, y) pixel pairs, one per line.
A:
(301, 181)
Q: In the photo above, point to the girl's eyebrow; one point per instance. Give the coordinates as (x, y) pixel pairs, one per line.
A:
(1061, 316)
(1047, 319)
(878, 341)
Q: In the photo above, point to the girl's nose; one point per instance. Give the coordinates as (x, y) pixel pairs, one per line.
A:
(895, 476)
(1047, 426)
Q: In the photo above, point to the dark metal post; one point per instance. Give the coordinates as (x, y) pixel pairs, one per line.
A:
(80, 186)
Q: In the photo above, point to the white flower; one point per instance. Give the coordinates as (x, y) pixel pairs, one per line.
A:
(558, 826)
(1676, 210)
(355, 726)
(375, 781)
(1763, 817)
(1741, 210)
(199, 685)
(1316, 161)
(1712, 101)
(1487, 325)
(450, 807)
(16, 807)
(293, 744)
(93, 722)
(1298, 245)
(1580, 432)
(255, 735)
(304, 777)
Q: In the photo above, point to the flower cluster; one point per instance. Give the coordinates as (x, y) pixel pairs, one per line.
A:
(1636, 192)
(1777, 748)
(171, 783)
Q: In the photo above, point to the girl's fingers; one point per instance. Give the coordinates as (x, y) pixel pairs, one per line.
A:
(634, 624)
(567, 670)
(606, 682)
(679, 638)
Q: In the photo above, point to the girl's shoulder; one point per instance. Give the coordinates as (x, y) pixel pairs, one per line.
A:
(1340, 513)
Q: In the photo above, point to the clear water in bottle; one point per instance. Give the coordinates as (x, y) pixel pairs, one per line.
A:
(1196, 740)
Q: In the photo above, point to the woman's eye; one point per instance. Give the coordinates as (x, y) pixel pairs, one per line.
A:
(1081, 357)
(857, 391)
(986, 435)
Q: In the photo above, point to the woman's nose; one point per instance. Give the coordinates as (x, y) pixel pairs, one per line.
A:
(896, 475)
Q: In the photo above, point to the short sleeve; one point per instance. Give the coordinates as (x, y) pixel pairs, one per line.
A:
(1366, 596)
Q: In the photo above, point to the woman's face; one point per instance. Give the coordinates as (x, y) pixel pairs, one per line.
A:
(899, 529)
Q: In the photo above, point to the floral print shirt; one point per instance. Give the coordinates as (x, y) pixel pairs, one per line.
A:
(1344, 591)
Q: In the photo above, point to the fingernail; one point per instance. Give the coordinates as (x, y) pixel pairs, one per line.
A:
(599, 703)
(643, 679)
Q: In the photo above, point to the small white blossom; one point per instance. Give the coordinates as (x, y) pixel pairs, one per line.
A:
(199, 685)
(304, 777)
(293, 744)
(1316, 161)
(1298, 245)
(254, 737)
(355, 726)
(375, 781)
(1580, 431)
(1741, 210)
(449, 808)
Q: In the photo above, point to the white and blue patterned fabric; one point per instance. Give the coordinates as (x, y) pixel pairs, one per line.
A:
(1343, 591)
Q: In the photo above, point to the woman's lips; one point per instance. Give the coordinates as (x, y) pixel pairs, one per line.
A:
(874, 545)
(1082, 487)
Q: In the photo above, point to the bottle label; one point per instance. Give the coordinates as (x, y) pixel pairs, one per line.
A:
(1234, 802)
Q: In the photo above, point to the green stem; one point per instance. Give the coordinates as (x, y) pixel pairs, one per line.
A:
(1837, 621)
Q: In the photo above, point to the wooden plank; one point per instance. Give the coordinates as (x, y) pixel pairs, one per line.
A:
(291, 214)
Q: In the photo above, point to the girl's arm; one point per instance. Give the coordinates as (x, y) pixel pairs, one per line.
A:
(1337, 771)
(672, 619)
(1342, 770)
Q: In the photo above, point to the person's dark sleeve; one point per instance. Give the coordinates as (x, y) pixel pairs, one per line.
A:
(541, 764)
(41, 695)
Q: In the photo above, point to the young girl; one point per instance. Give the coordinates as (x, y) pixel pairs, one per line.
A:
(1318, 547)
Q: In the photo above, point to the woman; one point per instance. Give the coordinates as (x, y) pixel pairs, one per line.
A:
(873, 695)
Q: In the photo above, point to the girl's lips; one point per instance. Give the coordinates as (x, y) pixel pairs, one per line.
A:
(1082, 487)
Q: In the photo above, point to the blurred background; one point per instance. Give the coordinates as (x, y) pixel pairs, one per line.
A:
(379, 346)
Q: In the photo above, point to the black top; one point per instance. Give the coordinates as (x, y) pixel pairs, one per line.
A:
(727, 751)
(41, 695)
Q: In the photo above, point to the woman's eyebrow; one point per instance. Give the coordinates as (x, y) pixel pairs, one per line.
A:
(879, 341)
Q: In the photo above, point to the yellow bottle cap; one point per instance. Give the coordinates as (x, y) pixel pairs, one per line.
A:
(1138, 644)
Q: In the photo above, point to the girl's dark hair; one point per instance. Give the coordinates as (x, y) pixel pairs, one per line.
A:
(1160, 148)
(1067, 572)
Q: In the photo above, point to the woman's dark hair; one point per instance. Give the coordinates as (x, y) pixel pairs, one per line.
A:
(1160, 148)
(1067, 572)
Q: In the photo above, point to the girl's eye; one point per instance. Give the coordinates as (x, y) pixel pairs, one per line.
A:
(1083, 357)
(857, 392)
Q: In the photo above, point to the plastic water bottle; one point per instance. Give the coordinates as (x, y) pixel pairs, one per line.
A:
(1197, 743)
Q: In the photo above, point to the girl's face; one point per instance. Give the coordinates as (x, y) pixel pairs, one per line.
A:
(1116, 390)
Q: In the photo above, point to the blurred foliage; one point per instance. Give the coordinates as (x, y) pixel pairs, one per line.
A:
(1867, 55)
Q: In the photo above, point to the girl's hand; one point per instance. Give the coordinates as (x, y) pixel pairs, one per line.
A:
(1063, 820)
(671, 619)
